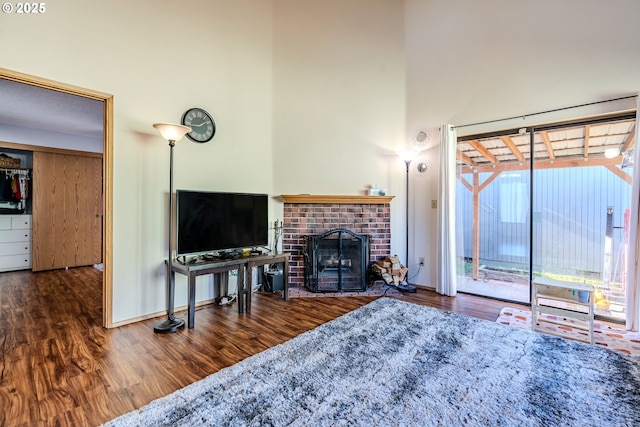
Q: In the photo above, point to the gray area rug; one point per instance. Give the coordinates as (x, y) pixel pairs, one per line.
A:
(393, 363)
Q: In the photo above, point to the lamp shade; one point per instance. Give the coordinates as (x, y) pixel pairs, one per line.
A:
(172, 131)
(407, 155)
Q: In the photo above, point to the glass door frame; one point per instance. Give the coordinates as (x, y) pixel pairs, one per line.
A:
(532, 131)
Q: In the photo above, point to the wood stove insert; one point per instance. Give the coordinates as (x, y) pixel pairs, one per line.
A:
(336, 261)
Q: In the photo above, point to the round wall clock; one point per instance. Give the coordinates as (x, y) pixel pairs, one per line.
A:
(201, 123)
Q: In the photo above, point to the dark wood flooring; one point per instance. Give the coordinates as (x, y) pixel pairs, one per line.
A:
(59, 367)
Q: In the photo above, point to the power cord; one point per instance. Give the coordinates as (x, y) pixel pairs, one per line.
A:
(416, 273)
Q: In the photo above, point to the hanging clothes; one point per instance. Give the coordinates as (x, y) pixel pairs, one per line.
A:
(14, 185)
(15, 188)
(24, 188)
(6, 195)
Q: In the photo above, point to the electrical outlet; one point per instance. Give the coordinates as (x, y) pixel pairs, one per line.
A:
(421, 260)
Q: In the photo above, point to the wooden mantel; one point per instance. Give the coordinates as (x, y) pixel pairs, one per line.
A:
(311, 198)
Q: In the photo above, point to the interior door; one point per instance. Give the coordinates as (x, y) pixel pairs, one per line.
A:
(67, 210)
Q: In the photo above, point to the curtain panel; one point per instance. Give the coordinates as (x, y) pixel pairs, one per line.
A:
(633, 256)
(446, 264)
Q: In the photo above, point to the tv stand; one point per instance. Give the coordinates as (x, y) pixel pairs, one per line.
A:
(219, 267)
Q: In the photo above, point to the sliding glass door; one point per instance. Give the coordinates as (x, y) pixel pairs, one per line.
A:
(582, 199)
(564, 216)
(492, 210)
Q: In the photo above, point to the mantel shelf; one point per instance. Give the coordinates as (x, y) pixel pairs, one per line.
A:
(311, 198)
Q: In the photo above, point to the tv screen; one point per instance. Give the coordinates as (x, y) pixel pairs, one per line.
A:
(214, 222)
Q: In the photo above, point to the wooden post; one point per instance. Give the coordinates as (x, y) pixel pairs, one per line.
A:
(476, 225)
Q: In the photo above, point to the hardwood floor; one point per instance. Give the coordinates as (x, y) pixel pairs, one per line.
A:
(59, 367)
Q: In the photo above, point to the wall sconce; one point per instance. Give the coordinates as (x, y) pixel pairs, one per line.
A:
(423, 167)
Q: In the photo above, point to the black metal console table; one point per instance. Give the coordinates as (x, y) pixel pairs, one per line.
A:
(243, 264)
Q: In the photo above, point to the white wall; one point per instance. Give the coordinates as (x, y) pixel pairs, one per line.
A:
(158, 58)
(470, 61)
(339, 100)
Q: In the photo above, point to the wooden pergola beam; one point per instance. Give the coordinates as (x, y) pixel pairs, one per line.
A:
(475, 268)
(628, 144)
(547, 144)
(620, 173)
(587, 131)
(512, 146)
(464, 182)
(568, 162)
(464, 158)
(488, 181)
(477, 145)
(476, 188)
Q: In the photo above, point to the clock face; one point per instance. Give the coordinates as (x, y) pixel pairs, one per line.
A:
(201, 123)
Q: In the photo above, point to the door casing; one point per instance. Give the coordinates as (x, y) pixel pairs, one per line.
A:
(107, 169)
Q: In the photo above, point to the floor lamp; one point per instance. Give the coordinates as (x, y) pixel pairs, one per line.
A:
(172, 133)
(407, 156)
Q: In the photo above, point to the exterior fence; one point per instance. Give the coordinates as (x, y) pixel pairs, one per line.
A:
(571, 207)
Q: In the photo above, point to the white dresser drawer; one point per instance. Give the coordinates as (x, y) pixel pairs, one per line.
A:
(10, 236)
(15, 242)
(21, 222)
(17, 248)
(15, 222)
(15, 262)
(5, 222)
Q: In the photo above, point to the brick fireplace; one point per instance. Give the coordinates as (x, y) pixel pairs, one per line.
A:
(310, 215)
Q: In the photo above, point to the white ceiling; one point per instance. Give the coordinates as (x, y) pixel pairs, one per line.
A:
(33, 107)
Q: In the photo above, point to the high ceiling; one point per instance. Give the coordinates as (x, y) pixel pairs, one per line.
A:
(571, 146)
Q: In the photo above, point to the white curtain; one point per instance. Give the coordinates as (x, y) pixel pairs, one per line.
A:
(633, 256)
(446, 284)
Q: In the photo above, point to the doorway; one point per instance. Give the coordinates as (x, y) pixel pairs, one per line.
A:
(107, 166)
(564, 216)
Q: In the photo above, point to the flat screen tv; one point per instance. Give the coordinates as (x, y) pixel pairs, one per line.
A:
(210, 222)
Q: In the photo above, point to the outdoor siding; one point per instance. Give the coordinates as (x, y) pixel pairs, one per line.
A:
(570, 207)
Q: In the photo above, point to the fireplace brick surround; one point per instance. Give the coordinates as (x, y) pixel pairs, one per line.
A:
(310, 215)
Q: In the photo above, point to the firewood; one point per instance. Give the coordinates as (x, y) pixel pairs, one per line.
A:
(402, 273)
(377, 269)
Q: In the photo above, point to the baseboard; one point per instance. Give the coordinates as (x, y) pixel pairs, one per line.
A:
(180, 309)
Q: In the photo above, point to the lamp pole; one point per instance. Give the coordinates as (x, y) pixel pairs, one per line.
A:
(407, 156)
(407, 162)
(171, 133)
